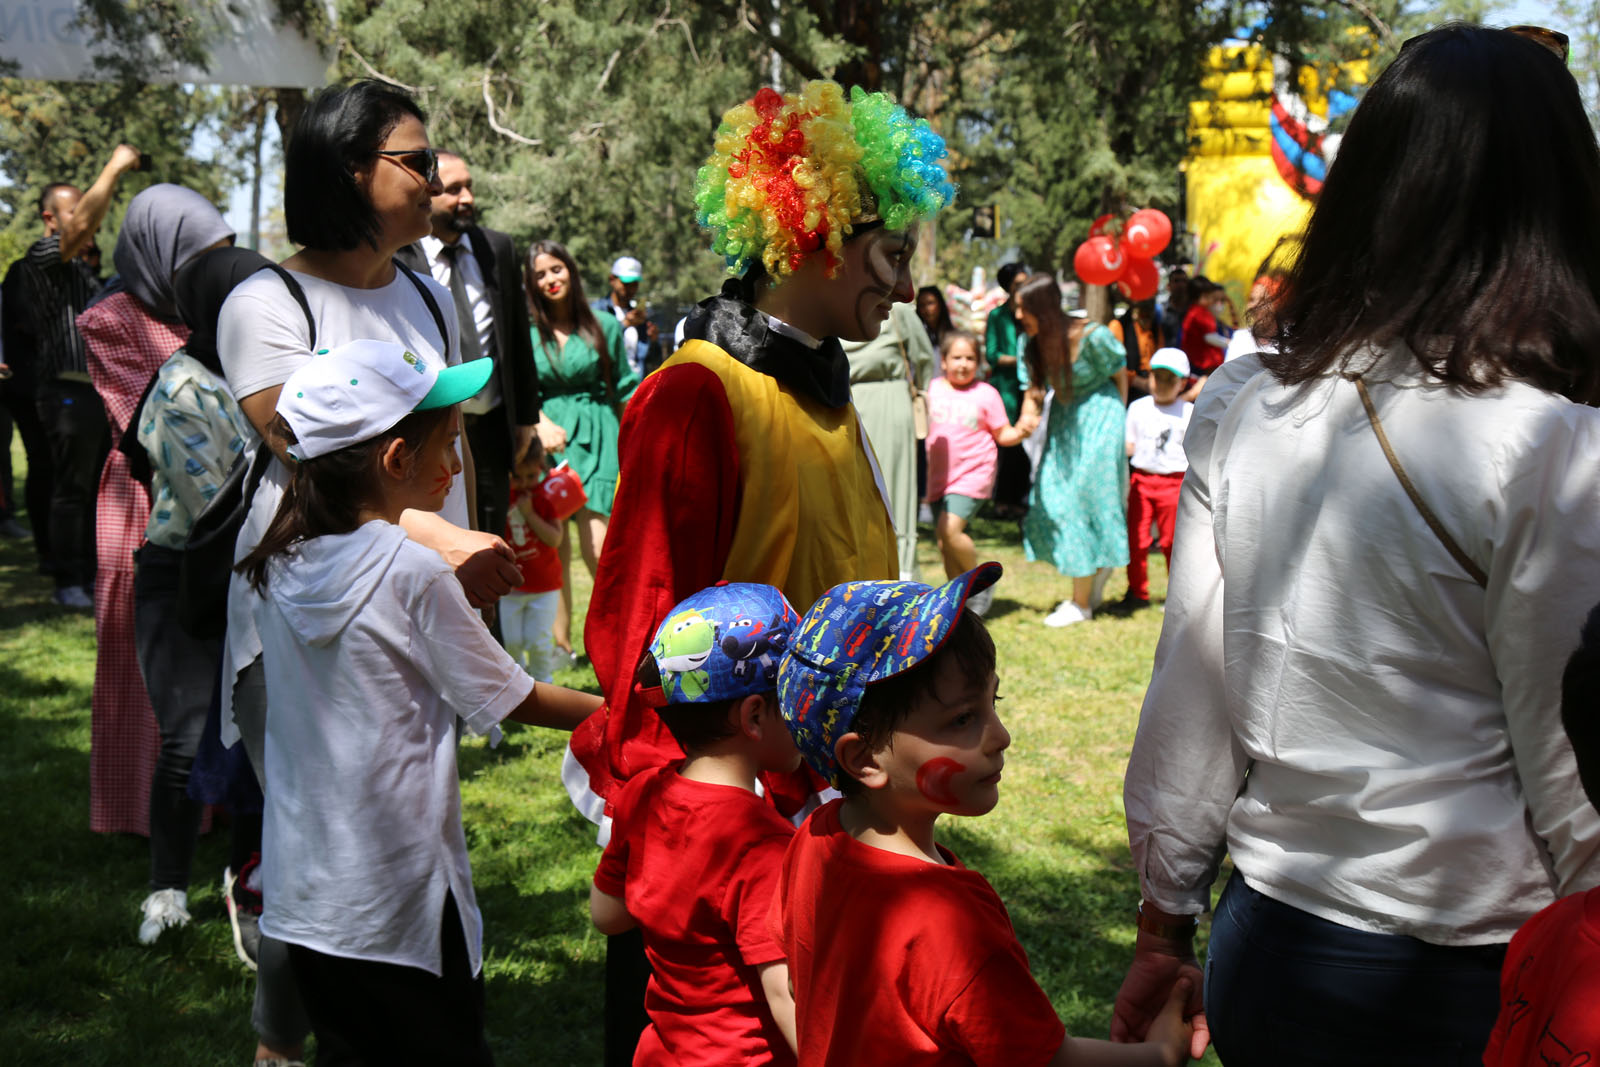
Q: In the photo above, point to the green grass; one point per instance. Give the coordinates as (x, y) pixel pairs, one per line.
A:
(76, 988)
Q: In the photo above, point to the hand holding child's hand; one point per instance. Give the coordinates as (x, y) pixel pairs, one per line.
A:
(485, 565)
(1170, 1030)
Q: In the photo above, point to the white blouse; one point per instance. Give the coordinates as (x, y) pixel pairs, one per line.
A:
(1373, 737)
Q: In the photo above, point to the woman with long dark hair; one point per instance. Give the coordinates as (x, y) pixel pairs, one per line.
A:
(586, 380)
(934, 313)
(1077, 513)
(1389, 539)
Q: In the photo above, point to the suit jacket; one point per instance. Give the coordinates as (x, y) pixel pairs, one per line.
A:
(502, 280)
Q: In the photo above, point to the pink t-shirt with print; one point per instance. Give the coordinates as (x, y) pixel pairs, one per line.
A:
(961, 448)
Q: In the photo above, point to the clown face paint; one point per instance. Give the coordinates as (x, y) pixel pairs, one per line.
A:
(933, 779)
(877, 273)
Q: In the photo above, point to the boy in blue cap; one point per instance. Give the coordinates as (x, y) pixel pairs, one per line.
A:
(897, 952)
(694, 851)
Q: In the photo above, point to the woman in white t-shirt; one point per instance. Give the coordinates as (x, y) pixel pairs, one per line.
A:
(359, 184)
(1388, 542)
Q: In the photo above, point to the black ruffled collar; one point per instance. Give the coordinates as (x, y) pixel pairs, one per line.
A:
(822, 373)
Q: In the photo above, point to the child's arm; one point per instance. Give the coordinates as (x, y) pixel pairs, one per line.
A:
(555, 706)
(542, 528)
(780, 996)
(1006, 436)
(1166, 1045)
(610, 916)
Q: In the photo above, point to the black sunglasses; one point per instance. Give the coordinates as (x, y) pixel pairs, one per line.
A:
(429, 171)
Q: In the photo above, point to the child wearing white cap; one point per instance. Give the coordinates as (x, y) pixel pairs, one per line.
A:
(1154, 434)
(371, 653)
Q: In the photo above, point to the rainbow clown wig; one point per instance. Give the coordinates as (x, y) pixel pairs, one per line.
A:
(791, 174)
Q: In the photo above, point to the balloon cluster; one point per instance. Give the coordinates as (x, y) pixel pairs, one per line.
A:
(1126, 260)
(791, 174)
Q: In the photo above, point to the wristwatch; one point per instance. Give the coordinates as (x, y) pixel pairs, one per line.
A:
(1183, 930)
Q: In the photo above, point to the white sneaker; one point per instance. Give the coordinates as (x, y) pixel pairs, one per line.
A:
(163, 908)
(1066, 614)
(14, 530)
(979, 603)
(74, 596)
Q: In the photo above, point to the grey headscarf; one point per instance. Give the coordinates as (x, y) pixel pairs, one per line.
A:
(166, 226)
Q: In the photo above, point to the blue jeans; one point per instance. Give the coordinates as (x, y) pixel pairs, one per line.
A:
(1285, 987)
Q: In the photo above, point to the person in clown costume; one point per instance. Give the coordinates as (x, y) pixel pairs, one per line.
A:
(742, 458)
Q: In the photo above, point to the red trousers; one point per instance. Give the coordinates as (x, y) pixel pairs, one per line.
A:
(1150, 496)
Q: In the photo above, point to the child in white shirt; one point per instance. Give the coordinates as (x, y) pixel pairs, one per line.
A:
(371, 652)
(1154, 434)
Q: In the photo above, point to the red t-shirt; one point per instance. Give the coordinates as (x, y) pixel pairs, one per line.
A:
(899, 961)
(1204, 357)
(697, 865)
(1550, 989)
(540, 563)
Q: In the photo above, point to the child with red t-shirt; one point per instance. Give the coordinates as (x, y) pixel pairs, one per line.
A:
(532, 531)
(967, 427)
(898, 953)
(694, 850)
(1550, 984)
(1204, 341)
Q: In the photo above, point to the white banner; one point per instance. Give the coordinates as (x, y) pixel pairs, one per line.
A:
(247, 47)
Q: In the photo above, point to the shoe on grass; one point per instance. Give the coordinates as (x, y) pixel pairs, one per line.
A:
(14, 530)
(163, 908)
(74, 596)
(980, 603)
(1127, 605)
(1065, 614)
(243, 901)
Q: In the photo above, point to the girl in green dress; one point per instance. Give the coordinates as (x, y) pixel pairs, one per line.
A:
(1077, 514)
(584, 379)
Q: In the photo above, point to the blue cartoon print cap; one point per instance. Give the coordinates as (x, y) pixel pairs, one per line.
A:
(856, 634)
(720, 644)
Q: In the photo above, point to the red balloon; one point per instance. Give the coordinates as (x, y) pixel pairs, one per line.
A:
(1099, 260)
(1140, 279)
(1101, 227)
(1147, 233)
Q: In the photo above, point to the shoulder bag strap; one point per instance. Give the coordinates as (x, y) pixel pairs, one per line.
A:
(1455, 550)
(299, 295)
(433, 307)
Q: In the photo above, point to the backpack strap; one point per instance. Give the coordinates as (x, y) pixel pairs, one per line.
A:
(299, 295)
(433, 307)
(1450, 545)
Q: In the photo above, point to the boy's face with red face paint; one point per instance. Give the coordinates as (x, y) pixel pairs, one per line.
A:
(946, 754)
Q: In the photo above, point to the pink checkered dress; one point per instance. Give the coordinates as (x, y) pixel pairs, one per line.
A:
(126, 346)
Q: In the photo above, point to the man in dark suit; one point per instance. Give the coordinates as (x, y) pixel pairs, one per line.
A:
(482, 272)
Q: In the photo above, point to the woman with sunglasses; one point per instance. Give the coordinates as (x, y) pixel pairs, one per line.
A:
(1388, 542)
(360, 177)
(742, 456)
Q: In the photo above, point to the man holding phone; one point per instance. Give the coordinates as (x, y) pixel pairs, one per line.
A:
(55, 286)
(639, 334)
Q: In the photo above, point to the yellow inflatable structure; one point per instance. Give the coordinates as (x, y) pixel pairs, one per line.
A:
(1259, 146)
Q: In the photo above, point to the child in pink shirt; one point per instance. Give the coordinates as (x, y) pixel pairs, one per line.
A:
(966, 424)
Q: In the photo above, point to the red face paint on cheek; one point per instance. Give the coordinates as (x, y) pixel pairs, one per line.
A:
(933, 779)
(441, 483)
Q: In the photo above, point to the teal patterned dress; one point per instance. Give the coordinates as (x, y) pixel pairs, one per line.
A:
(1077, 514)
(576, 397)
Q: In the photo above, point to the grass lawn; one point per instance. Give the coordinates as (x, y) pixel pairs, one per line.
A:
(76, 987)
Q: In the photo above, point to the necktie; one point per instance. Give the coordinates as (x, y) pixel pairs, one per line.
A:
(471, 349)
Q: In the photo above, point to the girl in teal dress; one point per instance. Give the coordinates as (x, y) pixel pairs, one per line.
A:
(584, 379)
(1077, 514)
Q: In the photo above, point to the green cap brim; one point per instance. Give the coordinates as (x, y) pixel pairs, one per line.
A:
(629, 279)
(458, 383)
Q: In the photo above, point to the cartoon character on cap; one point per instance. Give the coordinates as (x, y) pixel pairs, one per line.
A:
(884, 629)
(695, 666)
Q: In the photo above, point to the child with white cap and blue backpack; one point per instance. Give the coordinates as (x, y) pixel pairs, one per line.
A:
(694, 850)
(897, 952)
(371, 652)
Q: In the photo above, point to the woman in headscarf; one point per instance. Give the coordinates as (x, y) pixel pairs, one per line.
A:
(192, 431)
(129, 331)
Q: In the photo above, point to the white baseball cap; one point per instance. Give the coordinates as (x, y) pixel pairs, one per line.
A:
(1171, 359)
(355, 391)
(627, 269)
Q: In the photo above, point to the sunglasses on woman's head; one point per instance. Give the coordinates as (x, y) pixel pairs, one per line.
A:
(428, 169)
(1553, 41)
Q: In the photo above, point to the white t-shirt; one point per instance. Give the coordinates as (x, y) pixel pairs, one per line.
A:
(1156, 434)
(262, 338)
(371, 652)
